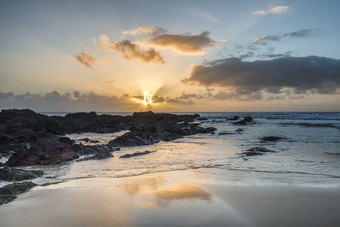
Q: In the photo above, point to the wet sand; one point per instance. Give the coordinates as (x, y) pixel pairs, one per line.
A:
(178, 198)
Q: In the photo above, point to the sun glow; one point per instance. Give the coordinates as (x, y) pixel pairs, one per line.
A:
(147, 98)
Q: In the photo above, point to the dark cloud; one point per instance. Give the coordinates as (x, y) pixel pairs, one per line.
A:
(130, 50)
(302, 74)
(85, 59)
(187, 44)
(302, 33)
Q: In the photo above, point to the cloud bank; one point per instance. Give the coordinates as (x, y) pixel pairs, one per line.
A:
(302, 74)
(303, 33)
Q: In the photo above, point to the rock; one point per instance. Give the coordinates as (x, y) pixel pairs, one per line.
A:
(43, 152)
(202, 118)
(233, 118)
(94, 141)
(65, 139)
(272, 138)
(244, 121)
(8, 192)
(239, 130)
(98, 156)
(11, 174)
(256, 151)
(248, 119)
(225, 133)
(84, 139)
(135, 154)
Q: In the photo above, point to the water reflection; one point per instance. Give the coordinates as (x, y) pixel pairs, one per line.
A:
(152, 192)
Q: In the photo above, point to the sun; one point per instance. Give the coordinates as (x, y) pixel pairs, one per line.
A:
(147, 98)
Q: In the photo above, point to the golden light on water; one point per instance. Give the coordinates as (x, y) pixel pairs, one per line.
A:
(147, 98)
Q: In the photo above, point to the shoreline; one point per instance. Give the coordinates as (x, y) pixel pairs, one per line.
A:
(186, 198)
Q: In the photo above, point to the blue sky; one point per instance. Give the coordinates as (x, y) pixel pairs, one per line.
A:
(40, 42)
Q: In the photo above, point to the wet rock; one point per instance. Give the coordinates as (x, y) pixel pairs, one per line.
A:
(98, 156)
(84, 139)
(65, 139)
(135, 154)
(225, 133)
(256, 151)
(272, 138)
(244, 121)
(202, 118)
(239, 130)
(8, 192)
(233, 118)
(11, 174)
(43, 152)
(94, 141)
(248, 119)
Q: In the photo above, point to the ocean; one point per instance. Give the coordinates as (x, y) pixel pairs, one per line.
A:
(309, 154)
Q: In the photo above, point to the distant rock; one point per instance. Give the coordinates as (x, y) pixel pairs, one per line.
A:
(135, 154)
(8, 192)
(233, 118)
(11, 174)
(226, 133)
(256, 151)
(272, 138)
(98, 156)
(84, 139)
(244, 121)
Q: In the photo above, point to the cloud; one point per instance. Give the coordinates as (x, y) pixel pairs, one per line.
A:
(130, 50)
(85, 59)
(266, 37)
(186, 44)
(302, 74)
(303, 33)
(273, 10)
(57, 102)
(150, 30)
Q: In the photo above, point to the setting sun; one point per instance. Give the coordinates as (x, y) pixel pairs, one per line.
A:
(147, 98)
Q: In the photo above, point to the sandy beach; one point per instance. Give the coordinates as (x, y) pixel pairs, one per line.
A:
(175, 198)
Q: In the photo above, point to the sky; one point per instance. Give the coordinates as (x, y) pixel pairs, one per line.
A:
(170, 56)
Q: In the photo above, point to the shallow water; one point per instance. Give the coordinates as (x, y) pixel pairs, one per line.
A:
(309, 155)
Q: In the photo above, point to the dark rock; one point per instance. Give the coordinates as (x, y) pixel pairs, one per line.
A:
(248, 119)
(135, 154)
(67, 140)
(233, 118)
(8, 192)
(202, 118)
(256, 151)
(43, 152)
(11, 174)
(98, 156)
(272, 138)
(94, 141)
(84, 139)
(225, 133)
(239, 130)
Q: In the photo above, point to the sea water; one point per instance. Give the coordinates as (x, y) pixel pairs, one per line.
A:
(309, 154)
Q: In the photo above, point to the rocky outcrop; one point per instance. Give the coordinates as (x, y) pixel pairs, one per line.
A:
(235, 118)
(11, 174)
(9, 192)
(43, 152)
(135, 154)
